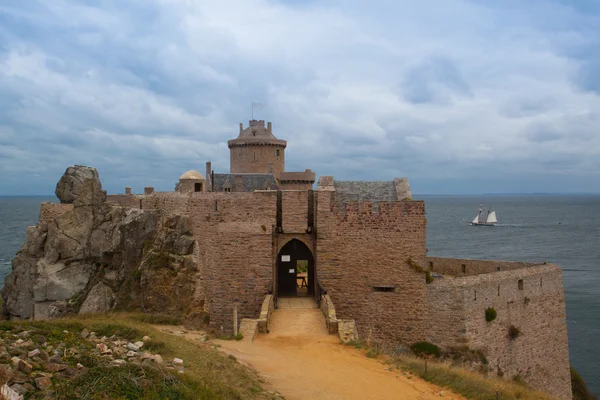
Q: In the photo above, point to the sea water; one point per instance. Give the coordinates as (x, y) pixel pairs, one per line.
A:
(563, 230)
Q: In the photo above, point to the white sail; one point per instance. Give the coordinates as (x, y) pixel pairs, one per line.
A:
(476, 220)
(491, 218)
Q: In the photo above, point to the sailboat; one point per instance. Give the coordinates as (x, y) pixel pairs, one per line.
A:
(488, 220)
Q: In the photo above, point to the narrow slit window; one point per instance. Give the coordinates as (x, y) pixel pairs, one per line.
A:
(498, 290)
(390, 289)
(431, 265)
(475, 295)
(464, 268)
(520, 284)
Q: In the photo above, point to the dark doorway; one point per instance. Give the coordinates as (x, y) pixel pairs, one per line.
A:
(295, 270)
(197, 187)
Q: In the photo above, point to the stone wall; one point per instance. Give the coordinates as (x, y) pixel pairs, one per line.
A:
(530, 299)
(467, 267)
(362, 253)
(294, 211)
(234, 236)
(50, 211)
(124, 200)
(257, 158)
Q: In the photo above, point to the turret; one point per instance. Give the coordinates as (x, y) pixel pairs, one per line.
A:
(255, 149)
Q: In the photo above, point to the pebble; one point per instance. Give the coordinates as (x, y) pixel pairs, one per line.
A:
(132, 347)
(25, 366)
(177, 361)
(139, 345)
(85, 333)
(43, 383)
(146, 339)
(33, 353)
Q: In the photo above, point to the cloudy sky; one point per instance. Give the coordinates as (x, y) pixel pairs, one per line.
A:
(461, 96)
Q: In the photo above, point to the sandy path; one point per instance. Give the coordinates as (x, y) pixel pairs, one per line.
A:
(301, 361)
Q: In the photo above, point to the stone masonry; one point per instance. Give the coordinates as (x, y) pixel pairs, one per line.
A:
(367, 241)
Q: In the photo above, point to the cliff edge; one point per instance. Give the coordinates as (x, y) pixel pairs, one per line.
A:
(94, 257)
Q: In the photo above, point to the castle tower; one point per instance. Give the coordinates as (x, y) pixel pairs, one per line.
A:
(257, 150)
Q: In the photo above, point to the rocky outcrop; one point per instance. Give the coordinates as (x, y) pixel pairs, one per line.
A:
(96, 258)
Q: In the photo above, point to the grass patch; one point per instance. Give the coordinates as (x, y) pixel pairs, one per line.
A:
(208, 373)
(157, 319)
(469, 384)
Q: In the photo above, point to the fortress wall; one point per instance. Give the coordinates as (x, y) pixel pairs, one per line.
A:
(447, 313)
(456, 266)
(294, 211)
(50, 211)
(124, 200)
(168, 203)
(539, 355)
(296, 186)
(234, 236)
(360, 251)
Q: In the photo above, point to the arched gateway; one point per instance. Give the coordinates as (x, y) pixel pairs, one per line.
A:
(295, 270)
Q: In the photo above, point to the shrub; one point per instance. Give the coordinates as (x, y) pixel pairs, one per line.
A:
(490, 314)
(579, 388)
(372, 353)
(239, 336)
(428, 277)
(422, 349)
(513, 332)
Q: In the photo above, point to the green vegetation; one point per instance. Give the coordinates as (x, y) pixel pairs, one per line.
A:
(302, 266)
(471, 385)
(157, 319)
(579, 388)
(239, 336)
(208, 373)
(414, 265)
(513, 332)
(425, 349)
(490, 314)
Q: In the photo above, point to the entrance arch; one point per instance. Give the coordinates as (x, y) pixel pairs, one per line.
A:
(292, 260)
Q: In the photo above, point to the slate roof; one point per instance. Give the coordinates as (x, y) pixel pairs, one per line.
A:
(250, 182)
(364, 191)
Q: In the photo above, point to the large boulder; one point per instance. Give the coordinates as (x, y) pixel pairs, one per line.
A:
(80, 185)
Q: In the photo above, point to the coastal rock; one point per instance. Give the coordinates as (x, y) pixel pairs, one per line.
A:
(98, 257)
(98, 300)
(80, 185)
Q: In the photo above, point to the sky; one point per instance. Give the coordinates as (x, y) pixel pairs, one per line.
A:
(460, 96)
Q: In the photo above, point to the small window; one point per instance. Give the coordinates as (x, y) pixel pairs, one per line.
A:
(277, 152)
(464, 268)
(384, 289)
(474, 294)
(431, 265)
(520, 284)
(253, 133)
(227, 189)
(540, 282)
(197, 187)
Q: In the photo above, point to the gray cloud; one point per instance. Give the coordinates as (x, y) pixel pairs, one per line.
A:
(447, 93)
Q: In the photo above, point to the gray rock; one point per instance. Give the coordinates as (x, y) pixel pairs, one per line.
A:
(98, 300)
(80, 185)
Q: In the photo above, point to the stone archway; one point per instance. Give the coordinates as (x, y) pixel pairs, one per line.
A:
(293, 258)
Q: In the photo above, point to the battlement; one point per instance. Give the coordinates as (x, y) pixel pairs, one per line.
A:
(458, 267)
(257, 123)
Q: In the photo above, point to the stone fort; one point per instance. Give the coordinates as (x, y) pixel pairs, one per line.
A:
(362, 248)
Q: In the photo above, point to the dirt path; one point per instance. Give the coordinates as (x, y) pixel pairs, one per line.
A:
(301, 361)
